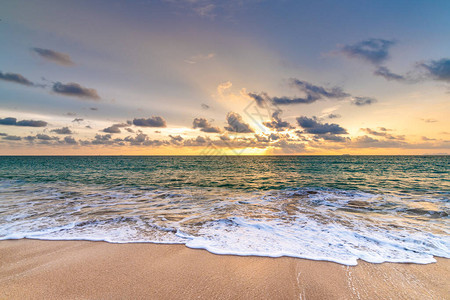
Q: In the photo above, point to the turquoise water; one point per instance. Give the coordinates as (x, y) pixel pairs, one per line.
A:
(337, 208)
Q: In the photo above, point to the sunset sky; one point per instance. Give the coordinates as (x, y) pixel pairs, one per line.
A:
(156, 77)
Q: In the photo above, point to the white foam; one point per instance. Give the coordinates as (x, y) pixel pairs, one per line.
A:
(338, 226)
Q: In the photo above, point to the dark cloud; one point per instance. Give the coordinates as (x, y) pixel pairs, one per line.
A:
(115, 128)
(333, 116)
(102, 139)
(313, 126)
(78, 120)
(141, 139)
(3, 134)
(388, 75)
(205, 126)
(25, 123)
(276, 122)
(31, 123)
(274, 136)
(129, 130)
(54, 56)
(64, 130)
(374, 51)
(29, 138)
(198, 141)
(332, 137)
(425, 120)
(383, 133)
(8, 121)
(75, 90)
(93, 108)
(438, 69)
(70, 140)
(312, 93)
(260, 98)
(112, 129)
(14, 77)
(369, 142)
(12, 138)
(236, 124)
(177, 140)
(71, 114)
(263, 98)
(294, 100)
(361, 101)
(318, 92)
(205, 106)
(46, 137)
(154, 121)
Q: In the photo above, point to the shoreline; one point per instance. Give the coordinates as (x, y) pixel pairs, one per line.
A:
(89, 269)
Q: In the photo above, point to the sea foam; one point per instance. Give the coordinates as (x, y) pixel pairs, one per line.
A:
(341, 226)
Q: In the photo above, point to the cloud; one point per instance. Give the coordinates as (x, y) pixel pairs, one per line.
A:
(382, 132)
(312, 93)
(204, 125)
(177, 140)
(112, 129)
(429, 120)
(46, 137)
(313, 126)
(276, 122)
(333, 116)
(12, 138)
(26, 123)
(75, 90)
(332, 137)
(154, 121)
(221, 88)
(198, 58)
(115, 128)
(102, 139)
(202, 8)
(388, 75)
(143, 139)
(78, 120)
(70, 140)
(64, 130)
(369, 142)
(318, 91)
(14, 77)
(374, 51)
(438, 69)
(8, 121)
(93, 108)
(205, 106)
(361, 101)
(263, 98)
(236, 124)
(54, 56)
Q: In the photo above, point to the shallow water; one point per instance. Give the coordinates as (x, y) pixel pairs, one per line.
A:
(335, 208)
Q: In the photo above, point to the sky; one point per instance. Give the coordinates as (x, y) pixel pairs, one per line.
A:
(213, 77)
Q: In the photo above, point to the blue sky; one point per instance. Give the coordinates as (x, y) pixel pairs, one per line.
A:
(93, 65)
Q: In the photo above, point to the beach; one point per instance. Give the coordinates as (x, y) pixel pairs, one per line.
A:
(86, 269)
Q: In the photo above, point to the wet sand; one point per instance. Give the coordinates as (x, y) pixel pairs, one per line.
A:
(83, 270)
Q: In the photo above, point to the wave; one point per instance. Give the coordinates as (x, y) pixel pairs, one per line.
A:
(313, 223)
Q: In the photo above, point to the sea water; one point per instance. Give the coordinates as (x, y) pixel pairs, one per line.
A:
(334, 208)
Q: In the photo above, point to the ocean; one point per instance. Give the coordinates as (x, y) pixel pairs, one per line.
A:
(333, 208)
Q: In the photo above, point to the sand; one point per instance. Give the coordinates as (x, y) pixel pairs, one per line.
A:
(85, 270)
